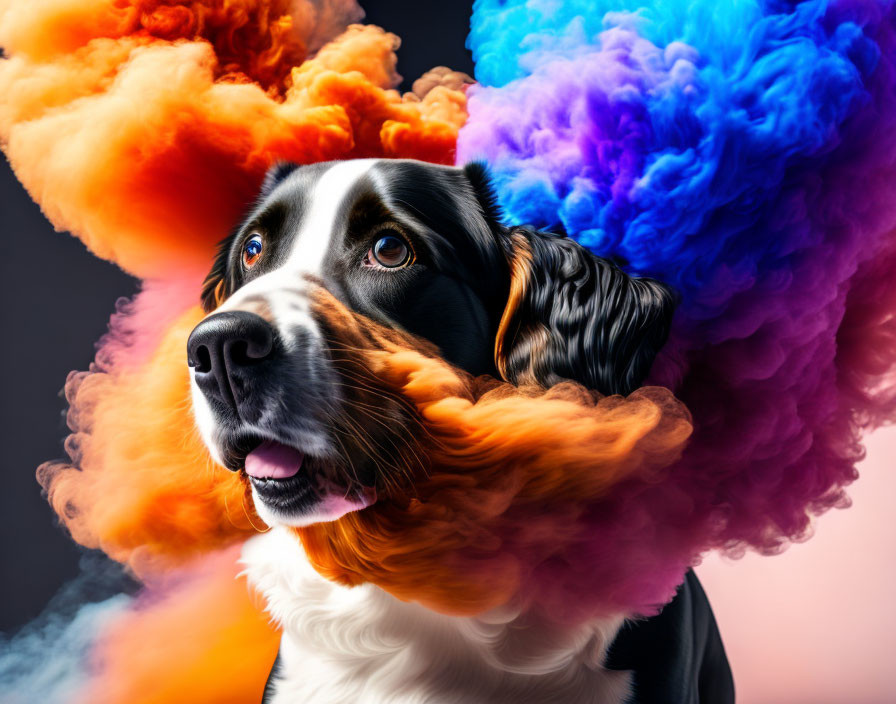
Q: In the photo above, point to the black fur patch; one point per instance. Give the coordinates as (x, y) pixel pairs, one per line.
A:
(583, 318)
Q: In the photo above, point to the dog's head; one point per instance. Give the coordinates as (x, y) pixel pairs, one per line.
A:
(341, 257)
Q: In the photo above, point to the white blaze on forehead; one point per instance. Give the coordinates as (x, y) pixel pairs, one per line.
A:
(283, 288)
(327, 210)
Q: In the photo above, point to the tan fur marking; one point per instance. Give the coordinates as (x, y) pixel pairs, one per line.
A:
(219, 293)
(520, 266)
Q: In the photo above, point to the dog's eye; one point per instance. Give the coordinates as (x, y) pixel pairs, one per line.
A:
(389, 252)
(252, 251)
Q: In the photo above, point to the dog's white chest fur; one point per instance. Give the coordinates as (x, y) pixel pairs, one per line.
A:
(362, 645)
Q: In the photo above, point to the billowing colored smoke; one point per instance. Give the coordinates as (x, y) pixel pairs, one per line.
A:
(47, 660)
(140, 486)
(195, 635)
(744, 153)
(145, 127)
(163, 500)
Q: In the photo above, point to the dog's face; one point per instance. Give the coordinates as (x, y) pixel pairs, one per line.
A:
(413, 248)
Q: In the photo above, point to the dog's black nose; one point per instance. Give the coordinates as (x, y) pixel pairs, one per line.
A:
(226, 351)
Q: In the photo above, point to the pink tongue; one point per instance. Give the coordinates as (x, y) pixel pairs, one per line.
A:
(271, 460)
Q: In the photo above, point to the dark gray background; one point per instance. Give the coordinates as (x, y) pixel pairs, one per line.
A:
(56, 299)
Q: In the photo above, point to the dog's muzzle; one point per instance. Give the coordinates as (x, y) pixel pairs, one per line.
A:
(268, 397)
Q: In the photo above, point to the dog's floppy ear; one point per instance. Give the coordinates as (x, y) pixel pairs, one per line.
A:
(572, 315)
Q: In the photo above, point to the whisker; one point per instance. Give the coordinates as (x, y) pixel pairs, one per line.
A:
(405, 455)
(348, 459)
(369, 441)
(365, 385)
(391, 432)
(412, 416)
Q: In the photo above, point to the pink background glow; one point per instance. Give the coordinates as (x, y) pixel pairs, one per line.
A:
(817, 624)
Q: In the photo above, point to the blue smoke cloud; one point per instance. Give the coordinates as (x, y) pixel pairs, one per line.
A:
(47, 661)
(745, 153)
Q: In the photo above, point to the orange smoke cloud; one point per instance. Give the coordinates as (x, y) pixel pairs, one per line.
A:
(257, 41)
(201, 639)
(145, 128)
(141, 485)
(509, 474)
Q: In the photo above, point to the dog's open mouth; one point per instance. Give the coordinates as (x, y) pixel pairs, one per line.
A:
(299, 490)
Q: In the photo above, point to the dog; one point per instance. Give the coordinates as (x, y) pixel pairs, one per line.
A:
(418, 254)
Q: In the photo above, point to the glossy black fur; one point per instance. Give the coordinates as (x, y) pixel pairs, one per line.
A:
(677, 656)
(583, 318)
